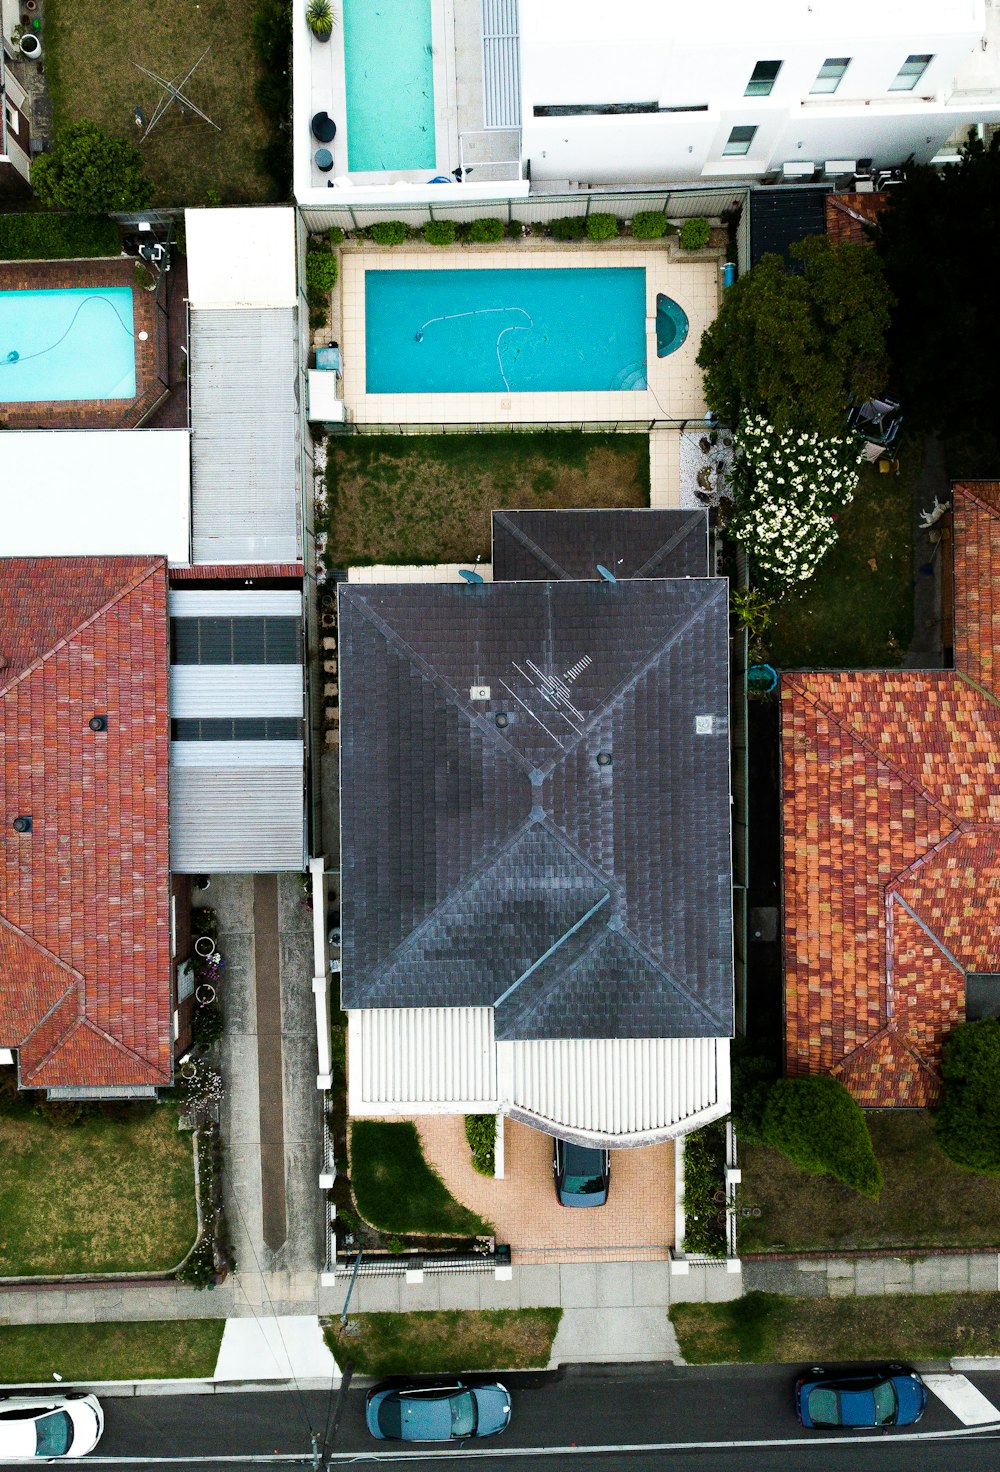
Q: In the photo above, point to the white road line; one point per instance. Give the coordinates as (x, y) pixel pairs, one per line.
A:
(963, 1399)
(493, 1453)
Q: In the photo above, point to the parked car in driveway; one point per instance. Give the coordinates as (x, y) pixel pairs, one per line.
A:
(49, 1426)
(583, 1175)
(885, 1395)
(451, 1412)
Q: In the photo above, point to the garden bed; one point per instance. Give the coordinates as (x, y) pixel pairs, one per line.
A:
(926, 1201)
(429, 498)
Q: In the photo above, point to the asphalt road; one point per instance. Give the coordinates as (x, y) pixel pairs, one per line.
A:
(630, 1417)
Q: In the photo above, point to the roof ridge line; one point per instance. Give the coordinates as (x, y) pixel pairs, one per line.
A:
(974, 684)
(668, 975)
(551, 950)
(668, 546)
(35, 943)
(598, 938)
(85, 623)
(74, 1022)
(963, 487)
(119, 1043)
(532, 546)
(872, 751)
(889, 1029)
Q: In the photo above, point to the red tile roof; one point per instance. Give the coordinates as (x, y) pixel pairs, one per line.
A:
(84, 898)
(847, 215)
(891, 813)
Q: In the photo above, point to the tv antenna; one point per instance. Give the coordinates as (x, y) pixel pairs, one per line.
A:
(173, 92)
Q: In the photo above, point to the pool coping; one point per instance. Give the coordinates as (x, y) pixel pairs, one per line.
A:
(675, 390)
(150, 356)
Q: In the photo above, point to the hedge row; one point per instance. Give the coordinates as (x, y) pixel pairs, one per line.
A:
(43, 237)
(647, 225)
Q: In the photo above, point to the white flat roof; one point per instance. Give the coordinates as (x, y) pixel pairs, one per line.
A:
(95, 492)
(241, 258)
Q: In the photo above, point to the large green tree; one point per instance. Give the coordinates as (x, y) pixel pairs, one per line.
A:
(92, 172)
(794, 348)
(967, 1125)
(816, 1123)
(938, 241)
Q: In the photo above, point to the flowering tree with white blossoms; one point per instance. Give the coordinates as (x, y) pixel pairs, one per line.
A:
(789, 487)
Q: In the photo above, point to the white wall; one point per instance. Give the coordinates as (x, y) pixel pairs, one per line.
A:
(570, 55)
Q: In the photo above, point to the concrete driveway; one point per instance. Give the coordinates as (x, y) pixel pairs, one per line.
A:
(636, 1224)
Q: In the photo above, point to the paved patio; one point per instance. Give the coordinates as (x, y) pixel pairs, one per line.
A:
(637, 1223)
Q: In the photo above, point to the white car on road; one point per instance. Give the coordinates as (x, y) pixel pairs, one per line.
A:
(48, 1426)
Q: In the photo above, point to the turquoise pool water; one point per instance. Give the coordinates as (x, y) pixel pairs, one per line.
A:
(71, 344)
(450, 332)
(388, 58)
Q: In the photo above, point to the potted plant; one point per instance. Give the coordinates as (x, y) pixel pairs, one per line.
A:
(319, 18)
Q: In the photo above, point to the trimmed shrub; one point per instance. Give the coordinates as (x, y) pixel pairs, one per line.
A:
(335, 235)
(481, 1133)
(568, 227)
(695, 233)
(649, 225)
(321, 271)
(92, 171)
(821, 1129)
(601, 227)
(388, 232)
(57, 237)
(967, 1125)
(515, 230)
(440, 232)
(486, 232)
(64, 1113)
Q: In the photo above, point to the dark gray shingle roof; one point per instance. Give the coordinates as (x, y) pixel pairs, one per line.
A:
(570, 544)
(490, 864)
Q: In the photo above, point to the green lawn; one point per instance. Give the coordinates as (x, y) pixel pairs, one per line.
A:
(428, 498)
(447, 1343)
(395, 1189)
(857, 612)
(927, 1200)
(89, 55)
(164, 1349)
(766, 1328)
(99, 1196)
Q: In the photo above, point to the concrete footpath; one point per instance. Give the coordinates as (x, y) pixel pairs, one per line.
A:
(870, 1277)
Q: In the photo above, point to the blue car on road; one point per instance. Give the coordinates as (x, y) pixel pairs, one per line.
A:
(889, 1395)
(437, 1412)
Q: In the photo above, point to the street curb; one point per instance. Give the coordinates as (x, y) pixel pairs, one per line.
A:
(127, 1388)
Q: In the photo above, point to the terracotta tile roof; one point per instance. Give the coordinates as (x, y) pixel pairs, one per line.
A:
(842, 213)
(891, 846)
(199, 571)
(84, 898)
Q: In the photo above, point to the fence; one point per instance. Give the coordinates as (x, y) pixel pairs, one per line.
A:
(534, 209)
(430, 1262)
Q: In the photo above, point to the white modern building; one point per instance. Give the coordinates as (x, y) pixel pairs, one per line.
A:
(493, 99)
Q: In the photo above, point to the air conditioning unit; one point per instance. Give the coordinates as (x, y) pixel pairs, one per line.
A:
(835, 166)
(798, 169)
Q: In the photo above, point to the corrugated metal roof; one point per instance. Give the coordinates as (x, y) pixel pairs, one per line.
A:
(406, 1058)
(501, 65)
(618, 1087)
(204, 690)
(236, 819)
(234, 603)
(244, 441)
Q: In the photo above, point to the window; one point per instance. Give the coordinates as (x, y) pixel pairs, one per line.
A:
(831, 74)
(243, 728)
(765, 74)
(739, 141)
(909, 73)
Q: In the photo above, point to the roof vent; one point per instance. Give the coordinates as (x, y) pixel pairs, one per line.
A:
(479, 692)
(22, 824)
(704, 725)
(98, 723)
(502, 719)
(604, 758)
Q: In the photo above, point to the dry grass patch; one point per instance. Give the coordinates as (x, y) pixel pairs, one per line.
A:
(766, 1328)
(448, 1343)
(428, 498)
(89, 54)
(100, 1196)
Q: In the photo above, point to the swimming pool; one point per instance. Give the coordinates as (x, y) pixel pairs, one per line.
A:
(69, 344)
(519, 331)
(389, 61)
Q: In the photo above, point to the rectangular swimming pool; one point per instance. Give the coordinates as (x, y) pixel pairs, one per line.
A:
(519, 331)
(389, 61)
(77, 343)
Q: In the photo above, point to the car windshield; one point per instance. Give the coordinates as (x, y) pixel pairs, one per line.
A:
(390, 1416)
(583, 1170)
(824, 1407)
(463, 1415)
(885, 1404)
(55, 1435)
